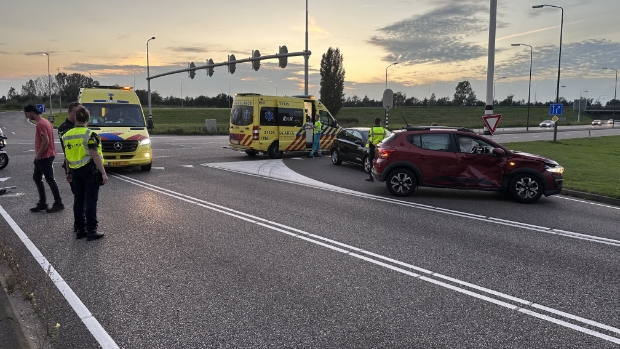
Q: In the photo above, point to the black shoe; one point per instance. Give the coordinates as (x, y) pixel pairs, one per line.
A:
(39, 208)
(81, 233)
(93, 235)
(55, 208)
(370, 179)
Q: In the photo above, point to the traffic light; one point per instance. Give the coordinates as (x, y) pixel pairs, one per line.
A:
(191, 73)
(210, 69)
(231, 66)
(256, 64)
(283, 50)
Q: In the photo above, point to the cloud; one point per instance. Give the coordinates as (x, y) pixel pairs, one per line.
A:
(582, 59)
(192, 49)
(438, 36)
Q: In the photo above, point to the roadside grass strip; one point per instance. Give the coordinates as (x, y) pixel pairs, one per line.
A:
(95, 328)
(479, 292)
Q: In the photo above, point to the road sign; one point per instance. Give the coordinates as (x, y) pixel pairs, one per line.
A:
(388, 99)
(555, 118)
(491, 121)
(555, 109)
(41, 108)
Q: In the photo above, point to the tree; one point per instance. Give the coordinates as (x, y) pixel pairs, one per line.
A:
(399, 99)
(464, 94)
(433, 100)
(12, 93)
(332, 80)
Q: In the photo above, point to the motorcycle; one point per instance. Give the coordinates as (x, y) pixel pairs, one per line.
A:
(4, 158)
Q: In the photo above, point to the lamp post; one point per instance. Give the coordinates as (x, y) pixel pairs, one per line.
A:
(503, 77)
(148, 83)
(59, 94)
(429, 96)
(613, 123)
(49, 83)
(134, 83)
(386, 73)
(557, 93)
(579, 111)
(599, 99)
(529, 87)
(181, 93)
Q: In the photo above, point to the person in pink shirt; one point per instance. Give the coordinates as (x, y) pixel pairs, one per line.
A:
(45, 152)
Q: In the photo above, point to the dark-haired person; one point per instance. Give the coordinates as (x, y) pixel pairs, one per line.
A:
(45, 152)
(84, 160)
(375, 136)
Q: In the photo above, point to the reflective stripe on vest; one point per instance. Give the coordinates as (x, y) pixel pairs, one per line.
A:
(77, 155)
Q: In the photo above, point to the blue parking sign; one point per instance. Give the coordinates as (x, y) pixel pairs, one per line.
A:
(41, 108)
(555, 109)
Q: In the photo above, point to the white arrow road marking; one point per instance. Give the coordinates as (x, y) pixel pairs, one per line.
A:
(188, 166)
(157, 168)
(4, 179)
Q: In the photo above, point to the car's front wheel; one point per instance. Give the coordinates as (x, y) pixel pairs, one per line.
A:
(401, 182)
(336, 157)
(526, 188)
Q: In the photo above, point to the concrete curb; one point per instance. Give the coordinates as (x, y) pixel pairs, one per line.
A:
(593, 197)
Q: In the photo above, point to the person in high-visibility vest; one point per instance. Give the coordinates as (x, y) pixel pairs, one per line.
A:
(316, 144)
(375, 136)
(84, 160)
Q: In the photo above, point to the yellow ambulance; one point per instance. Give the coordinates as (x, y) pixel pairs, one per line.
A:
(277, 124)
(116, 115)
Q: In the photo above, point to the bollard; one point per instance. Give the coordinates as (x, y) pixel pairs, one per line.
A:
(210, 125)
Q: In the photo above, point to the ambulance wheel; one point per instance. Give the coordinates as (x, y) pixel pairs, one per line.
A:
(146, 167)
(251, 152)
(273, 150)
(336, 157)
(4, 160)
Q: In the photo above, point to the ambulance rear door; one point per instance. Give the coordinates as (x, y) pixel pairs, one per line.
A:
(242, 122)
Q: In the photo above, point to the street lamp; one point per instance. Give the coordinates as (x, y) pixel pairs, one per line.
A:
(49, 83)
(503, 77)
(615, 88)
(529, 87)
(599, 99)
(181, 93)
(557, 93)
(59, 94)
(148, 80)
(579, 111)
(386, 73)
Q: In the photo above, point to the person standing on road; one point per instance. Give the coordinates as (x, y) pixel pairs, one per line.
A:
(316, 144)
(84, 159)
(45, 152)
(68, 124)
(375, 136)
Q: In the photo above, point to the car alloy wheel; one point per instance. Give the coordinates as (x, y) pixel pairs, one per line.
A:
(526, 188)
(367, 164)
(401, 182)
(336, 157)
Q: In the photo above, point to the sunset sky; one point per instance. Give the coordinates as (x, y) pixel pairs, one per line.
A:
(436, 42)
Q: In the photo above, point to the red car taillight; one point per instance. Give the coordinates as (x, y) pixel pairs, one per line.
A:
(255, 133)
(384, 153)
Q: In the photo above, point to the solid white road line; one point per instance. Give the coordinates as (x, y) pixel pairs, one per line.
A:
(95, 328)
(358, 253)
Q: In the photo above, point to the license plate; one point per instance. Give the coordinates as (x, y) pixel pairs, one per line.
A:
(118, 163)
(234, 141)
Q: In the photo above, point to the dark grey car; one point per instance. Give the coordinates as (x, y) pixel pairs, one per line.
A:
(350, 146)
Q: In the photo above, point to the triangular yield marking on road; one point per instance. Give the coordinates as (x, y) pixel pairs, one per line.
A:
(4, 179)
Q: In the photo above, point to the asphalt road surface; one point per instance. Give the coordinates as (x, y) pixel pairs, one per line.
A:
(214, 248)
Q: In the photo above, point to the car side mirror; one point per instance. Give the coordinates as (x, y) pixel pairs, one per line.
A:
(499, 152)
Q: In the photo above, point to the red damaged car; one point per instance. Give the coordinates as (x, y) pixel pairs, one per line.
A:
(447, 157)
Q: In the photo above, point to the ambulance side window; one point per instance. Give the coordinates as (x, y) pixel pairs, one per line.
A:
(268, 116)
(290, 117)
(326, 119)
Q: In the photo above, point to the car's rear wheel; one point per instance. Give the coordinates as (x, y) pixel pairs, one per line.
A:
(367, 164)
(251, 152)
(336, 157)
(526, 188)
(401, 182)
(4, 160)
(274, 151)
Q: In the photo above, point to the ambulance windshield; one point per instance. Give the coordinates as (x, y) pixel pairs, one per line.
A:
(115, 115)
(241, 115)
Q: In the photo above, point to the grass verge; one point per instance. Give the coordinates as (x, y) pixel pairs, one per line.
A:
(590, 164)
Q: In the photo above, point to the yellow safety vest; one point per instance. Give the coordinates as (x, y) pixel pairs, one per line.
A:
(76, 149)
(317, 127)
(376, 135)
